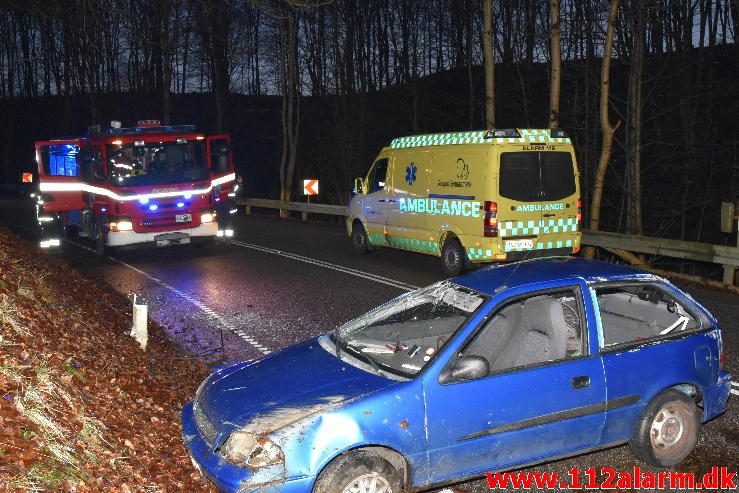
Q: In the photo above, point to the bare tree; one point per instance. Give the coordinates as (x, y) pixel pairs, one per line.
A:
(607, 129)
(556, 61)
(487, 42)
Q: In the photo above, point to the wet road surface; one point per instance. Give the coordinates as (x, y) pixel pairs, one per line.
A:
(284, 281)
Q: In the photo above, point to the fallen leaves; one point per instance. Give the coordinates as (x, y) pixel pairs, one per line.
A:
(82, 408)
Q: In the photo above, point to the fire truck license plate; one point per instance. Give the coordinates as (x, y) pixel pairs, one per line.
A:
(183, 218)
(519, 244)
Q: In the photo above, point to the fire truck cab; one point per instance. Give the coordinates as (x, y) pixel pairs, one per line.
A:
(150, 184)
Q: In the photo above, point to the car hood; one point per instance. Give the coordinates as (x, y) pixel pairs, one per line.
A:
(275, 391)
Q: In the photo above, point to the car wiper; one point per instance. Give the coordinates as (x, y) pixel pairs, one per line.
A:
(369, 360)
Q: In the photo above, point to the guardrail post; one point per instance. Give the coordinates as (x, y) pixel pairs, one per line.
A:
(248, 210)
(304, 215)
(729, 271)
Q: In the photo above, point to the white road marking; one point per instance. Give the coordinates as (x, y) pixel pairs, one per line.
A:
(328, 265)
(735, 392)
(734, 384)
(200, 305)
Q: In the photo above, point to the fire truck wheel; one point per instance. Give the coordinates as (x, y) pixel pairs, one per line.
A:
(66, 230)
(100, 236)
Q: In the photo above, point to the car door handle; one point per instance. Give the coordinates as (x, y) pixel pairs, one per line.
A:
(391, 200)
(549, 215)
(381, 200)
(581, 382)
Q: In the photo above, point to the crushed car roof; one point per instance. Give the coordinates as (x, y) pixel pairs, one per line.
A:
(489, 280)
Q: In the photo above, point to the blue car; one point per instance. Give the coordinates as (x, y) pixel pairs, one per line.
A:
(507, 366)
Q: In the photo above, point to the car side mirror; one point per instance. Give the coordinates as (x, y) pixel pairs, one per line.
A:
(358, 185)
(469, 368)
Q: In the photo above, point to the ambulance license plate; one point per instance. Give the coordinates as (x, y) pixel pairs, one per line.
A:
(183, 218)
(519, 244)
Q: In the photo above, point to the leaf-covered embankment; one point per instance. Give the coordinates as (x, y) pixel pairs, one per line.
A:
(82, 407)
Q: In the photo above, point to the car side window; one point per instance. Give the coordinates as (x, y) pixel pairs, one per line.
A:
(638, 312)
(532, 330)
(378, 175)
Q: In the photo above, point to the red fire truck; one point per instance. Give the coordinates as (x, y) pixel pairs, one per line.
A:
(149, 184)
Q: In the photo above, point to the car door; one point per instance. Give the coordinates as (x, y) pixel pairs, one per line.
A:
(544, 394)
(375, 203)
(648, 341)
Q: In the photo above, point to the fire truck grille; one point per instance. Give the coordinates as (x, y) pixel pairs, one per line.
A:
(164, 221)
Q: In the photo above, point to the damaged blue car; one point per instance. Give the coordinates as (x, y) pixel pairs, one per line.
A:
(507, 366)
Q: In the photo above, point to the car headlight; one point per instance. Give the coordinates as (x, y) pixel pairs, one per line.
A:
(207, 217)
(244, 448)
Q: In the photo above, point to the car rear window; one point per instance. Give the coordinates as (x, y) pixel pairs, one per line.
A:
(536, 176)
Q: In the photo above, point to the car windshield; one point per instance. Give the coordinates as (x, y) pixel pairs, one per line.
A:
(156, 163)
(403, 335)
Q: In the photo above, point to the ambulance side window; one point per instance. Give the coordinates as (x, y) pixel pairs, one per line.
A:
(378, 176)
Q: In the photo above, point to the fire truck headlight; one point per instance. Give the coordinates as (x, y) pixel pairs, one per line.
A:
(121, 226)
(207, 217)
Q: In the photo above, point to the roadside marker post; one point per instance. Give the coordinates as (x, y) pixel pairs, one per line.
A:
(310, 187)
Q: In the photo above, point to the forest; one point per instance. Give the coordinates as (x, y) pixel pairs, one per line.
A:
(315, 88)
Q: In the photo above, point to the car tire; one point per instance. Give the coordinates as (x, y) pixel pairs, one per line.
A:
(667, 430)
(359, 471)
(453, 258)
(360, 240)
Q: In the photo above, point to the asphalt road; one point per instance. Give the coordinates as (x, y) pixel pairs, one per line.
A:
(283, 281)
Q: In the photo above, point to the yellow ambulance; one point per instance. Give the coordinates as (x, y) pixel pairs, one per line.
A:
(471, 197)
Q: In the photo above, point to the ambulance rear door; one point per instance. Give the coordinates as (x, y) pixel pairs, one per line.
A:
(538, 194)
(60, 174)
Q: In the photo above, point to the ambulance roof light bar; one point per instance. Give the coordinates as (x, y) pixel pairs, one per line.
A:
(501, 133)
(558, 133)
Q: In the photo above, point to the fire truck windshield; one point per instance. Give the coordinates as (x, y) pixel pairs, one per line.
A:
(156, 163)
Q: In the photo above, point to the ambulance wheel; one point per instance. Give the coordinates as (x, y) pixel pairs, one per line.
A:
(360, 240)
(667, 430)
(453, 258)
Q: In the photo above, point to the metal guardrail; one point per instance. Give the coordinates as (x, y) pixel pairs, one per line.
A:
(303, 207)
(726, 256)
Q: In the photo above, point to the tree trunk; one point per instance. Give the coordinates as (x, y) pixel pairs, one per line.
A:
(487, 41)
(556, 64)
(634, 112)
(607, 130)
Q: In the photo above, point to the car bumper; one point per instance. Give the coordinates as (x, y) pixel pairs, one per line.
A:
(117, 239)
(716, 396)
(228, 477)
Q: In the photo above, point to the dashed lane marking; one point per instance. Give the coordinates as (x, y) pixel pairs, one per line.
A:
(212, 315)
(328, 265)
(735, 390)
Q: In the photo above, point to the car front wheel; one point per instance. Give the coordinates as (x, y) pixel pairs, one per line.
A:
(359, 472)
(667, 430)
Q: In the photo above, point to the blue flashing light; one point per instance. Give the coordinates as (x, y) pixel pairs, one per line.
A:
(188, 196)
(153, 207)
(180, 204)
(143, 201)
(103, 209)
